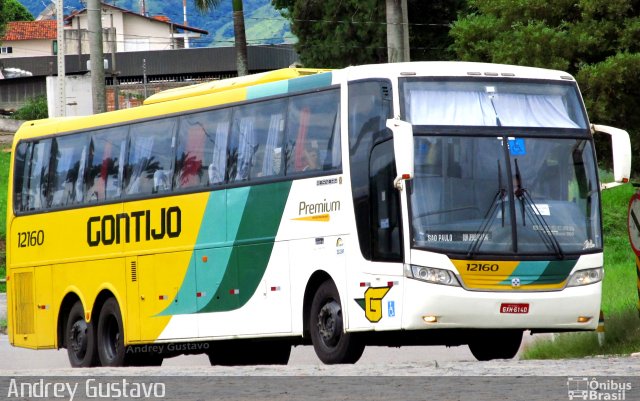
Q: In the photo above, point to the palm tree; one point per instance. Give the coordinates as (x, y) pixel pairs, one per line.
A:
(238, 29)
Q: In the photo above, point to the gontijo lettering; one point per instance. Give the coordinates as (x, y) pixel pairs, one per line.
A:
(141, 225)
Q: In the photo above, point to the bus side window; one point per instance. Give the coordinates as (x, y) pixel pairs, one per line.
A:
(150, 161)
(104, 169)
(313, 132)
(36, 175)
(69, 158)
(256, 141)
(201, 154)
(21, 176)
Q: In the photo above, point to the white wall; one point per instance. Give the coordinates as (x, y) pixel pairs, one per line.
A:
(79, 101)
(28, 48)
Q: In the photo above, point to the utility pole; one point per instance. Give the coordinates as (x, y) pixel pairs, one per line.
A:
(114, 72)
(60, 83)
(94, 12)
(397, 31)
(184, 13)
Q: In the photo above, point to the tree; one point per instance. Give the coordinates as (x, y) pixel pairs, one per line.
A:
(240, 36)
(12, 10)
(337, 33)
(598, 41)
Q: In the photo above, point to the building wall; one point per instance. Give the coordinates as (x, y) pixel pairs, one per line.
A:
(132, 33)
(157, 34)
(28, 48)
(78, 99)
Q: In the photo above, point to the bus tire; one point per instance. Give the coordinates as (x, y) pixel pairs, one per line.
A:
(80, 339)
(326, 326)
(486, 345)
(110, 335)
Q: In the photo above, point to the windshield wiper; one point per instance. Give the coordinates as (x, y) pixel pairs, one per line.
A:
(489, 216)
(529, 208)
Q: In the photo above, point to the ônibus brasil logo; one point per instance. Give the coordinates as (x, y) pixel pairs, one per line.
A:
(584, 388)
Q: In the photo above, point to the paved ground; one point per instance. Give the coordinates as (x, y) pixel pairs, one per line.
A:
(6, 137)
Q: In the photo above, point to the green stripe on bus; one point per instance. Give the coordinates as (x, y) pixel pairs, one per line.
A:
(541, 272)
(254, 241)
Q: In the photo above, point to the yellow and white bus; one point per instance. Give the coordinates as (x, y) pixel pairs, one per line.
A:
(396, 204)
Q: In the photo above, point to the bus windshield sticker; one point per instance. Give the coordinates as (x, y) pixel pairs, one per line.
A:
(458, 236)
(517, 147)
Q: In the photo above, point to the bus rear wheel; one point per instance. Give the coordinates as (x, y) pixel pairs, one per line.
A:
(331, 343)
(486, 345)
(80, 339)
(110, 336)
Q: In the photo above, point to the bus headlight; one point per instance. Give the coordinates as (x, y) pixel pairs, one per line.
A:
(432, 275)
(587, 276)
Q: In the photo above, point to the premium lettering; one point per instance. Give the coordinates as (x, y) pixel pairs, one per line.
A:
(305, 208)
(137, 226)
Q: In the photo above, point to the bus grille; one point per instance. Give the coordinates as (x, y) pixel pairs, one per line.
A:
(24, 303)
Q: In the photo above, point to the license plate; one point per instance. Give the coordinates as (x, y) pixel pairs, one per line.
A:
(514, 308)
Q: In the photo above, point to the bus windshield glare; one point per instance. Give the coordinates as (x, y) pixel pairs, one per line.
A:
(502, 192)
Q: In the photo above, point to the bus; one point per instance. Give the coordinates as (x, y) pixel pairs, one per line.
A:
(424, 203)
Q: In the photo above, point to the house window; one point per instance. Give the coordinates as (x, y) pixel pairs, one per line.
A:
(6, 50)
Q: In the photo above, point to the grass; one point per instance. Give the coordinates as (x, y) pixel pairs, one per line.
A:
(619, 293)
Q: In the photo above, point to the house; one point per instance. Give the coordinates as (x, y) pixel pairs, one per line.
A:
(123, 31)
(28, 39)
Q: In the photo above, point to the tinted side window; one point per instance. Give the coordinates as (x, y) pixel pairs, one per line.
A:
(150, 158)
(67, 170)
(256, 144)
(313, 132)
(35, 176)
(21, 176)
(201, 155)
(385, 205)
(369, 107)
(106, 166)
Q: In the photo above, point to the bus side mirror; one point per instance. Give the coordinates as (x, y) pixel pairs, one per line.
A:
(402, 149)
(621, 148)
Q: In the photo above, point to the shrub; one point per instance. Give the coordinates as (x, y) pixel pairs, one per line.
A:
(34, 109)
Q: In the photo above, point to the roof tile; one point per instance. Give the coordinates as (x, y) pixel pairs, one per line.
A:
(30, 30)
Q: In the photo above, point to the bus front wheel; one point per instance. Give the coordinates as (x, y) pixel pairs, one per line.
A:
(111, 348)
(80, 339)
(486, 345)
(331, 343)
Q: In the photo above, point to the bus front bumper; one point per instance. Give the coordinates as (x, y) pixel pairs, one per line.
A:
(446, 307)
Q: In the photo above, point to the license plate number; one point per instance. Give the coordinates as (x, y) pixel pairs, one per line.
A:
(514, 308)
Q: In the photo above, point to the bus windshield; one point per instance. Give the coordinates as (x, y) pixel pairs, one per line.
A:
(499, 195)
(493, 103)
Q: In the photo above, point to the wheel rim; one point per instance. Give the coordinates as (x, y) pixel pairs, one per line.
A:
(78, 338)
(111, 337)
(330, 323)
